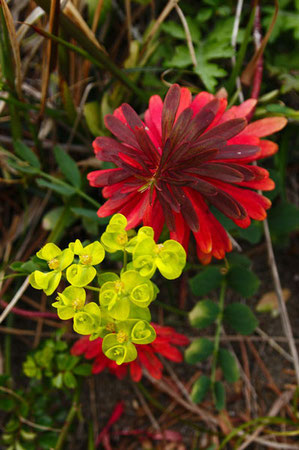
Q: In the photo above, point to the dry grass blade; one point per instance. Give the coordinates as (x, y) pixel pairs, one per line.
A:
(73, 14)
(35, 15)
(15, 299)
(14, 45)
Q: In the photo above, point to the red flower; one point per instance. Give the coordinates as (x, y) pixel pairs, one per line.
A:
(164, 344)
(185, 156)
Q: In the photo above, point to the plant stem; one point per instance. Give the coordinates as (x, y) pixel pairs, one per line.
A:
(91, 288)
(70, 417)
(218, 331)
(125, 260)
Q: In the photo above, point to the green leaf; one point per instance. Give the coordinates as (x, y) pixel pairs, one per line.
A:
(240, 318)
(205, 281)
(6, 403)
(238, 259)
(219, 395)
(47, 440)
(199, 350)
(228, 365)
(26, 154)
(58, 381)
(67, 166)
(200, 388)
(84, 370)
(203, 314)
(253, 233)
(69, 380)
(92, 114)
(59, 188)
(243, 281)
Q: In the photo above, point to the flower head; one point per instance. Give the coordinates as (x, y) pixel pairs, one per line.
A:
(165, 344)
(185, 156)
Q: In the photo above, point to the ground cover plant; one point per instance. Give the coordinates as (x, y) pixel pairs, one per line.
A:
(149, 224)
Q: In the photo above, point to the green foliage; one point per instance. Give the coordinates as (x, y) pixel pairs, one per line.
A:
(199, 350)
(67, 166)
(122, 317)
(229, 365)
(242, 280)
(206, 280)
(200, 388)
(240, 318)
(203, 314)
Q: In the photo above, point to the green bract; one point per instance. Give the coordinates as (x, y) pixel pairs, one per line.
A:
(143, 232)
(88, 320)
(122, 317)
(118, 348)
(169, 258)
(48, 281)
(70, 301)
(116, 296)
(115, 237)
(57, 259)
(80, 275)
(91, 255)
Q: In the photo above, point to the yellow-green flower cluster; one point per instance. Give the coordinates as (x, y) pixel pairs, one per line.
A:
(120, 313)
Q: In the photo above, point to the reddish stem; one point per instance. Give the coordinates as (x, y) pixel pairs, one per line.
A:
(258, 74)
(24, 313)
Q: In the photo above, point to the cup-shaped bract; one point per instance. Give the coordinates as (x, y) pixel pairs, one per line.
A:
(91, 255)
(57, 259)
(169, 258)
(80, 275)
(47, 281)
(142, 333)
(118, 348)
(143, 233)
(69, 302)
(88, 320)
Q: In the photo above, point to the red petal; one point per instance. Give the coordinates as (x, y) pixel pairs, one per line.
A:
(203, 236)
(120, 130)
(239, 111)
(100, 363)
(151, 363)
(80, 346)
(182, 231)
(265, 127)
(113, 205)
(94, 348)
(135, 209)
(268, 148)
(153, 116)
(100, 178)
(170, 107)
(200, 101)
(185, 101)
(154, 217)
(135, 371)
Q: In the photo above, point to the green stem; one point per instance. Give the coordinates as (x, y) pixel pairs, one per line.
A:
(69, 420)
(125, 260)
(91, 288)
(218, 331)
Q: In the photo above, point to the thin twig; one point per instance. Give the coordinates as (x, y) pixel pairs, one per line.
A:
(234, 45)
(271, 341)
(146, 408)
(188, 35)
(15, 299)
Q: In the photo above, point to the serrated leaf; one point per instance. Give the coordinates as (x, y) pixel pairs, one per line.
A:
(200, 388)
(199, 350)
(229, 365)
(243, 281)
(60, 189)
(219, 396)
(180, 59)
(240, 318)
(26, 154)
(205, 281)
(203, 314)
(67, 166)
